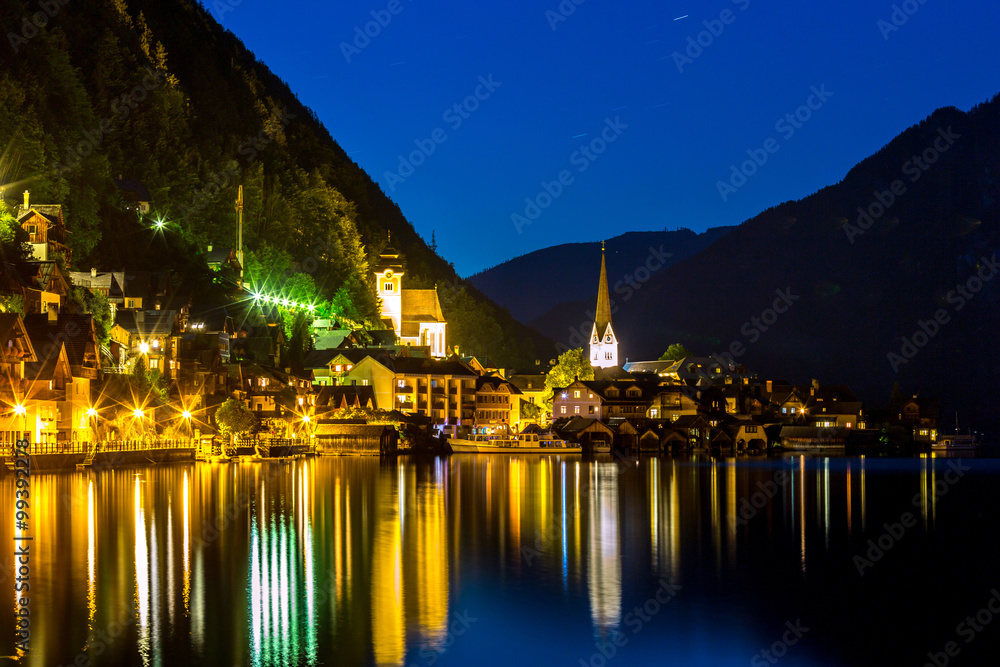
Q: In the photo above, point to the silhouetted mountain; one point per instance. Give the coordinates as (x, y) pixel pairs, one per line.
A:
(856, 293)
(534, 284)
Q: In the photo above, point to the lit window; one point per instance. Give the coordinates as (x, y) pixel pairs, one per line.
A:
(563, 409)
(364, 383)
(576, 409)
(576, 394)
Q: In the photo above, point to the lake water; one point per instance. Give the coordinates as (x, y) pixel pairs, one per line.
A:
(533, 560)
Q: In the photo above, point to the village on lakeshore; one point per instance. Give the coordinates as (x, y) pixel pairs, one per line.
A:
(180, 379)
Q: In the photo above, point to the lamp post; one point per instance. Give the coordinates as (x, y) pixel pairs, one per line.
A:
(92, 416)
(22, 412)
(186, 416)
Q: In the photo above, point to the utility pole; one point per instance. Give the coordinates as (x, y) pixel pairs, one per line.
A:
(239, 232)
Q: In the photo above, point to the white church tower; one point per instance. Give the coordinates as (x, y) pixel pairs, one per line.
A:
(389, 287)
(603, 342)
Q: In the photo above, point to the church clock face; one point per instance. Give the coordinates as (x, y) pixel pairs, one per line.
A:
(596, 340)
(388, 274)
(608, 339)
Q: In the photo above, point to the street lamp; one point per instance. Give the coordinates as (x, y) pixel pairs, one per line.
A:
(20, 411)
(144, 347)
(137, 413)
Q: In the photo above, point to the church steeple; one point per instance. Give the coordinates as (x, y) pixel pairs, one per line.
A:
(602, 316)
(603, 342)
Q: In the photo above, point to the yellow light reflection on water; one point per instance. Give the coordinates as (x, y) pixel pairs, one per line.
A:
(91, 564)
(141, 574)
(515, 505)
(431, 561)
(388, 627)
(187, 549)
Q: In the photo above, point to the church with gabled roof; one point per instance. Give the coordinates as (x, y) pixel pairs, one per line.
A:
(414, 314)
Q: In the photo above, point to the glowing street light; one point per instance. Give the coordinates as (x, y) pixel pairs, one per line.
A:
(186, 414)
(19, 410)
(91, 412)
(143, 347)
(137, 413)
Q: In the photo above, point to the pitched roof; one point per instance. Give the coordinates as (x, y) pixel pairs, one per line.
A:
(146, 323)
(11, 329)
(40, 273)
(383, 337)
(51, 212)
(577, 425)
(522, 381)
(493, 383)
(419, 366)
(319, 358)
(819, 408)
(389, 259)
(76, 332)
(421, 305)
(335, 397)
(329, 340)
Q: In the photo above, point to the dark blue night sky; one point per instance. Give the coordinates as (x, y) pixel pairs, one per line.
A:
(559, 79)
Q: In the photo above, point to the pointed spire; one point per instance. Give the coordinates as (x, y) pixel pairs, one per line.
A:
(602, 316)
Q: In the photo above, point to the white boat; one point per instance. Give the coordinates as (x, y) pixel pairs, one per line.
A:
(526, 443)
(955, 442)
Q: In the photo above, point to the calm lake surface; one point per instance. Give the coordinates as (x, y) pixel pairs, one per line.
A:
(533, 560)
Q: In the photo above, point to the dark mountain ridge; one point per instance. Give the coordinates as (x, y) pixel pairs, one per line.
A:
(864, 283)
(533, 284)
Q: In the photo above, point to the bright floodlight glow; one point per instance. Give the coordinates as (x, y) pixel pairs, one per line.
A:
(19, 410)
(159, 224)
(256, 296)
(144, 347)
(91, 412)
(137, 413)
(312, 307)
(186, 414)
(305, 418)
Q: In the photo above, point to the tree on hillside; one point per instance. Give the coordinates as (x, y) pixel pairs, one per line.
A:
(573, 365)
(97, 305)
(234, 418)
(675, 352)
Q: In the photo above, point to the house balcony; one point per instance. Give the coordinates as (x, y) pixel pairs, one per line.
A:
(437, 390)
(404, 389)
